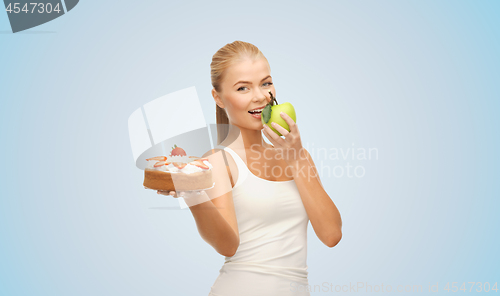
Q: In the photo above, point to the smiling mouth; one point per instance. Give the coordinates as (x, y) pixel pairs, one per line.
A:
(257, 111)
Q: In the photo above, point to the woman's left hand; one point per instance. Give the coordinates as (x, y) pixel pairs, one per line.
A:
(291, 146)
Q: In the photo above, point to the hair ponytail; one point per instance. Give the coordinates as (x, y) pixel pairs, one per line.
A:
(222, 124)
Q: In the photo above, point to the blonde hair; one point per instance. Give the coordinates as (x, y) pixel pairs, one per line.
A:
(226, 56)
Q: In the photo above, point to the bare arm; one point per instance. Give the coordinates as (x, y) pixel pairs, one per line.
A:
(216, 218)
(323, 214)
(214, 227)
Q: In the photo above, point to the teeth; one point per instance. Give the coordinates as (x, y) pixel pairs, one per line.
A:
(256, 111)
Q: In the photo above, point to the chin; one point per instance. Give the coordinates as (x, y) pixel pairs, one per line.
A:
(259, 128)
(252, 126)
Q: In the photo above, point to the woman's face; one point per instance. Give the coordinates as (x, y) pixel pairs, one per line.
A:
(245, 87)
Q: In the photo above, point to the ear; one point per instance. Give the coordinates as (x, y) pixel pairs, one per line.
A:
(217, 99)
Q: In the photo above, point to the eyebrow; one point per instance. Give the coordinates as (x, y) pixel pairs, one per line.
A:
(250, 82)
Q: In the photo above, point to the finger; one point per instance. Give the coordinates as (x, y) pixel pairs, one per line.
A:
(264, 131)
(291, 124)
(267, 132)
(275, 139)
(280, 129)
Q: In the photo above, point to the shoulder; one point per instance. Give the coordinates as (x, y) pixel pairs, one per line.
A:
(222, 163)
(216, 154)
(216, 157)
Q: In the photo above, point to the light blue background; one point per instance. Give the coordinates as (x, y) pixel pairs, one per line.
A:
(418, 80)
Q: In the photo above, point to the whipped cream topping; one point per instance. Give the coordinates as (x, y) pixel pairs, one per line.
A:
(188, 169)
(178, 158)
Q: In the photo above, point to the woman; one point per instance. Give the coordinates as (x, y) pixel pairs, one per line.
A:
(264, 195)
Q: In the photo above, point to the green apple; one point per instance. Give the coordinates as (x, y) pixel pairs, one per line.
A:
(271, 113)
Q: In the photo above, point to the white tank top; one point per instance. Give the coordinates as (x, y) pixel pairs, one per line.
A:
(272, 256)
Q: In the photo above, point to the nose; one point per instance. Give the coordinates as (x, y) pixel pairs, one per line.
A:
(260, 95)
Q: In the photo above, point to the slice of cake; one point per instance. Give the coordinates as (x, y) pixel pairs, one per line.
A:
(178, 172)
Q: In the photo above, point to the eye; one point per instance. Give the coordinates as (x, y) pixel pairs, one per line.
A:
(269, 83)
(240, 88)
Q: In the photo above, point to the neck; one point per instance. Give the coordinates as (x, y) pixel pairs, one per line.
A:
(242, 138)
